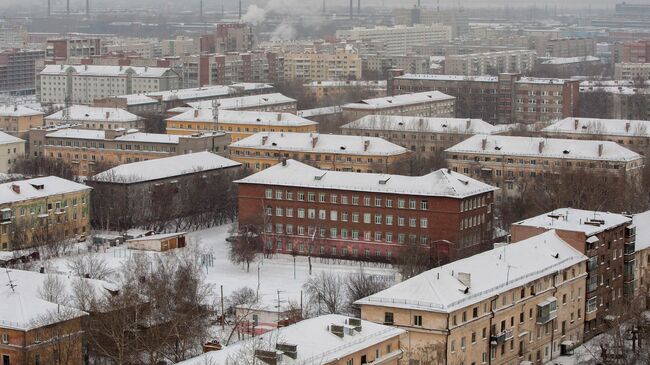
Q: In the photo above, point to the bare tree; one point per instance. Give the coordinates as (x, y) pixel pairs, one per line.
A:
(89, 266)
(242, 300)
(326, 292)
(53, 290)
(43, 166)
(60, 336)
(244, 245)
(361, 285)
(412, 260)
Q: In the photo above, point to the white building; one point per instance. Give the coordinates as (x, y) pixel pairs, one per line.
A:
(490, 63)
(94, 118)
(399, 38)
(83, 84)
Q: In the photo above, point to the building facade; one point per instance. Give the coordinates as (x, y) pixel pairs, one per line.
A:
(323, 151)
(38, 211)
(520, 164)
(90, 117)
(607, 240)
(334, 90)
(341, 64)
(398, 38)
(17, 120)
(420, 104)
(11, 149)
(563, 47)
(63, 48)
(632, 71)
(520, 303)
(18, 71)
(228, 37)
(224, 69)
(490, 63)
(366, 216)
(508, 98)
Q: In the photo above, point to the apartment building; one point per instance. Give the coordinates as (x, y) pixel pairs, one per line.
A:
(342, 64)
(90, 117)
(35, 331)
(490, 63)
(324, 91)
(323, 151)
(421, 104)
(82, 84)
(519, 163)
(632, 134)
(423, 135)
(179, 46)
(18, 70)
(397, 39)
(620, 98)
(238, 124)
(84, 148)
(520, 303)
(326, 339)
(563, 47)
(17, 120)
(11, 149)
(366, 216)
(38, 211)
(642, 257)
(632, 71)
(608, 241)
(378, 64)
(507, 98)
(634, 52)
(458, 20)
(224, 69)
(61, 49)
(228, 37)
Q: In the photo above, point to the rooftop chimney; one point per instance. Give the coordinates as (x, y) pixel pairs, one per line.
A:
(468, 124)
(15, 188)
(600, 149)
(575, 124)
(483, 143)
(264, 139)
(627, 126)
(108, 114)
(465, 278)
(279, 117)
(366, 144)
(284, 161)
(196, 113)
(541, 146)
(314, 140)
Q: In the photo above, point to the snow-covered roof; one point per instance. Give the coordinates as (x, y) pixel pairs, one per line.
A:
(320, 143)
(420, 124)
(205, 92)
(523, 80)
(642, 223)
(327, 110)
(400, 100)
(613, 127)
(102, 70)
(315, 343)
(248, 101)
(155, 237)
(571, 219)
(37, 188)
(77, 133)
(149, 137)
(8, 138)
(17, 111)
(242, 117)
(94, 114)
(22, 312)
(551, 148)
(568, 60)
(443, 182)
(490, 273)
(166, 167)
(380, 84)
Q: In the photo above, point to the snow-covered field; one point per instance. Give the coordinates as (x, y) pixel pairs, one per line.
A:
(275, 274)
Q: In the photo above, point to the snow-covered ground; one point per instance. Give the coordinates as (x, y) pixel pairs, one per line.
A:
(275, 274)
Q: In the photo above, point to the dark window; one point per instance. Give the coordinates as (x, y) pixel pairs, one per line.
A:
(388, 317)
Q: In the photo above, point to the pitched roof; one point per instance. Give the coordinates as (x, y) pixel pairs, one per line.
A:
(102, 70)
(17, 111)
(571, 219)
(443, 182)
(613, 127)
(248, 101)
(36, 188)
(167, 167)
(320, 143)
(490, 273)
(24, 313)
(551, 148)
(242, 117)
(398, 100)
(8, 138)
(420, 124)
(94, 114)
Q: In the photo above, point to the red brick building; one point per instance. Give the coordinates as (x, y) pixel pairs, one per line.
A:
(367, 216)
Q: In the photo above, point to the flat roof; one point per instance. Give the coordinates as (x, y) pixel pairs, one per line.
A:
(399, 100)
(570, 219)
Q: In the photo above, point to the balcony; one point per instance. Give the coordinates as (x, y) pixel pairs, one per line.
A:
(501, 337)
(628, 248)
(547, 311)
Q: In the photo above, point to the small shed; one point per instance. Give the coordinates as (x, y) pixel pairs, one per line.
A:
(157, 242)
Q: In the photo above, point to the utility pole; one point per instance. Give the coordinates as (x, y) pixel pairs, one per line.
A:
(223, 314)
(351, 15)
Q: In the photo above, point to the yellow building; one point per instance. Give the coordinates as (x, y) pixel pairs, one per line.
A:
(42, 210)
(238, 123)
(323, 151)
(343, 64)
(516, 303)
(17, 120)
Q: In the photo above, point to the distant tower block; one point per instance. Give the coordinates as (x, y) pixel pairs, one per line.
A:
(358, 7)
(87, 7)
(67, 7)
(351, 9)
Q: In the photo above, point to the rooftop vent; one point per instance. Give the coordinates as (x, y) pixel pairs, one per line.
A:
(498, 148)
(269, 357)
(342, 147)
(274, 144)
(337, 330)
(258, 120)
(287, 349)
(383, 180)
(566, 152)
(15, 188)
(38, 186)
(319, 177)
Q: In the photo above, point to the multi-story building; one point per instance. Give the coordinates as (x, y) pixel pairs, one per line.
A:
(619, 99)
(632, 71)
(35, 331)
(17, 120)
(424, 135)
(15, 149)
(632, 134)
(18, 70)
(366, 216)
(563, 47)
(228, 37)
(634, 52)
(607, 240)
(378, 64)
(63, 48)
(179, 46)
(397, 39)
(38, 211)
(518, 303)
(323, 151)
(224, 69)
(457, 19)
(516, 164)
(82, 84)
(490, 63)
(237, 123)
(324, 91)
(506, 98)
(343, 64)
(91, 117)
(570, 66)
(332, 339)
(84, 148)
(421, 104)
(642, 257)
(274, 102)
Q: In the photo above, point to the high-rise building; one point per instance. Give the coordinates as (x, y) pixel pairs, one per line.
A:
(228, 37)
(397, 39)
(343, 64)
(18, 70)
(490, 63)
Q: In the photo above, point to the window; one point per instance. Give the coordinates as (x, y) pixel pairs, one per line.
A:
(269, 194)
(401, 203)
(424, 222)
(388, 318)
(278, 194)
(424, 205)
(412, 204)
(377, 218)
(366, 217)
(322, 214)
(417, 321)
(377, 201)
(311, 197)
(366, 201)
(333, 215)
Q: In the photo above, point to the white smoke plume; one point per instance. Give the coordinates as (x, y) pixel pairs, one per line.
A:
(254, 15)
(283, 32)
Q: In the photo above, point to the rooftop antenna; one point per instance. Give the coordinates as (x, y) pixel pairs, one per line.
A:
(11, 282)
